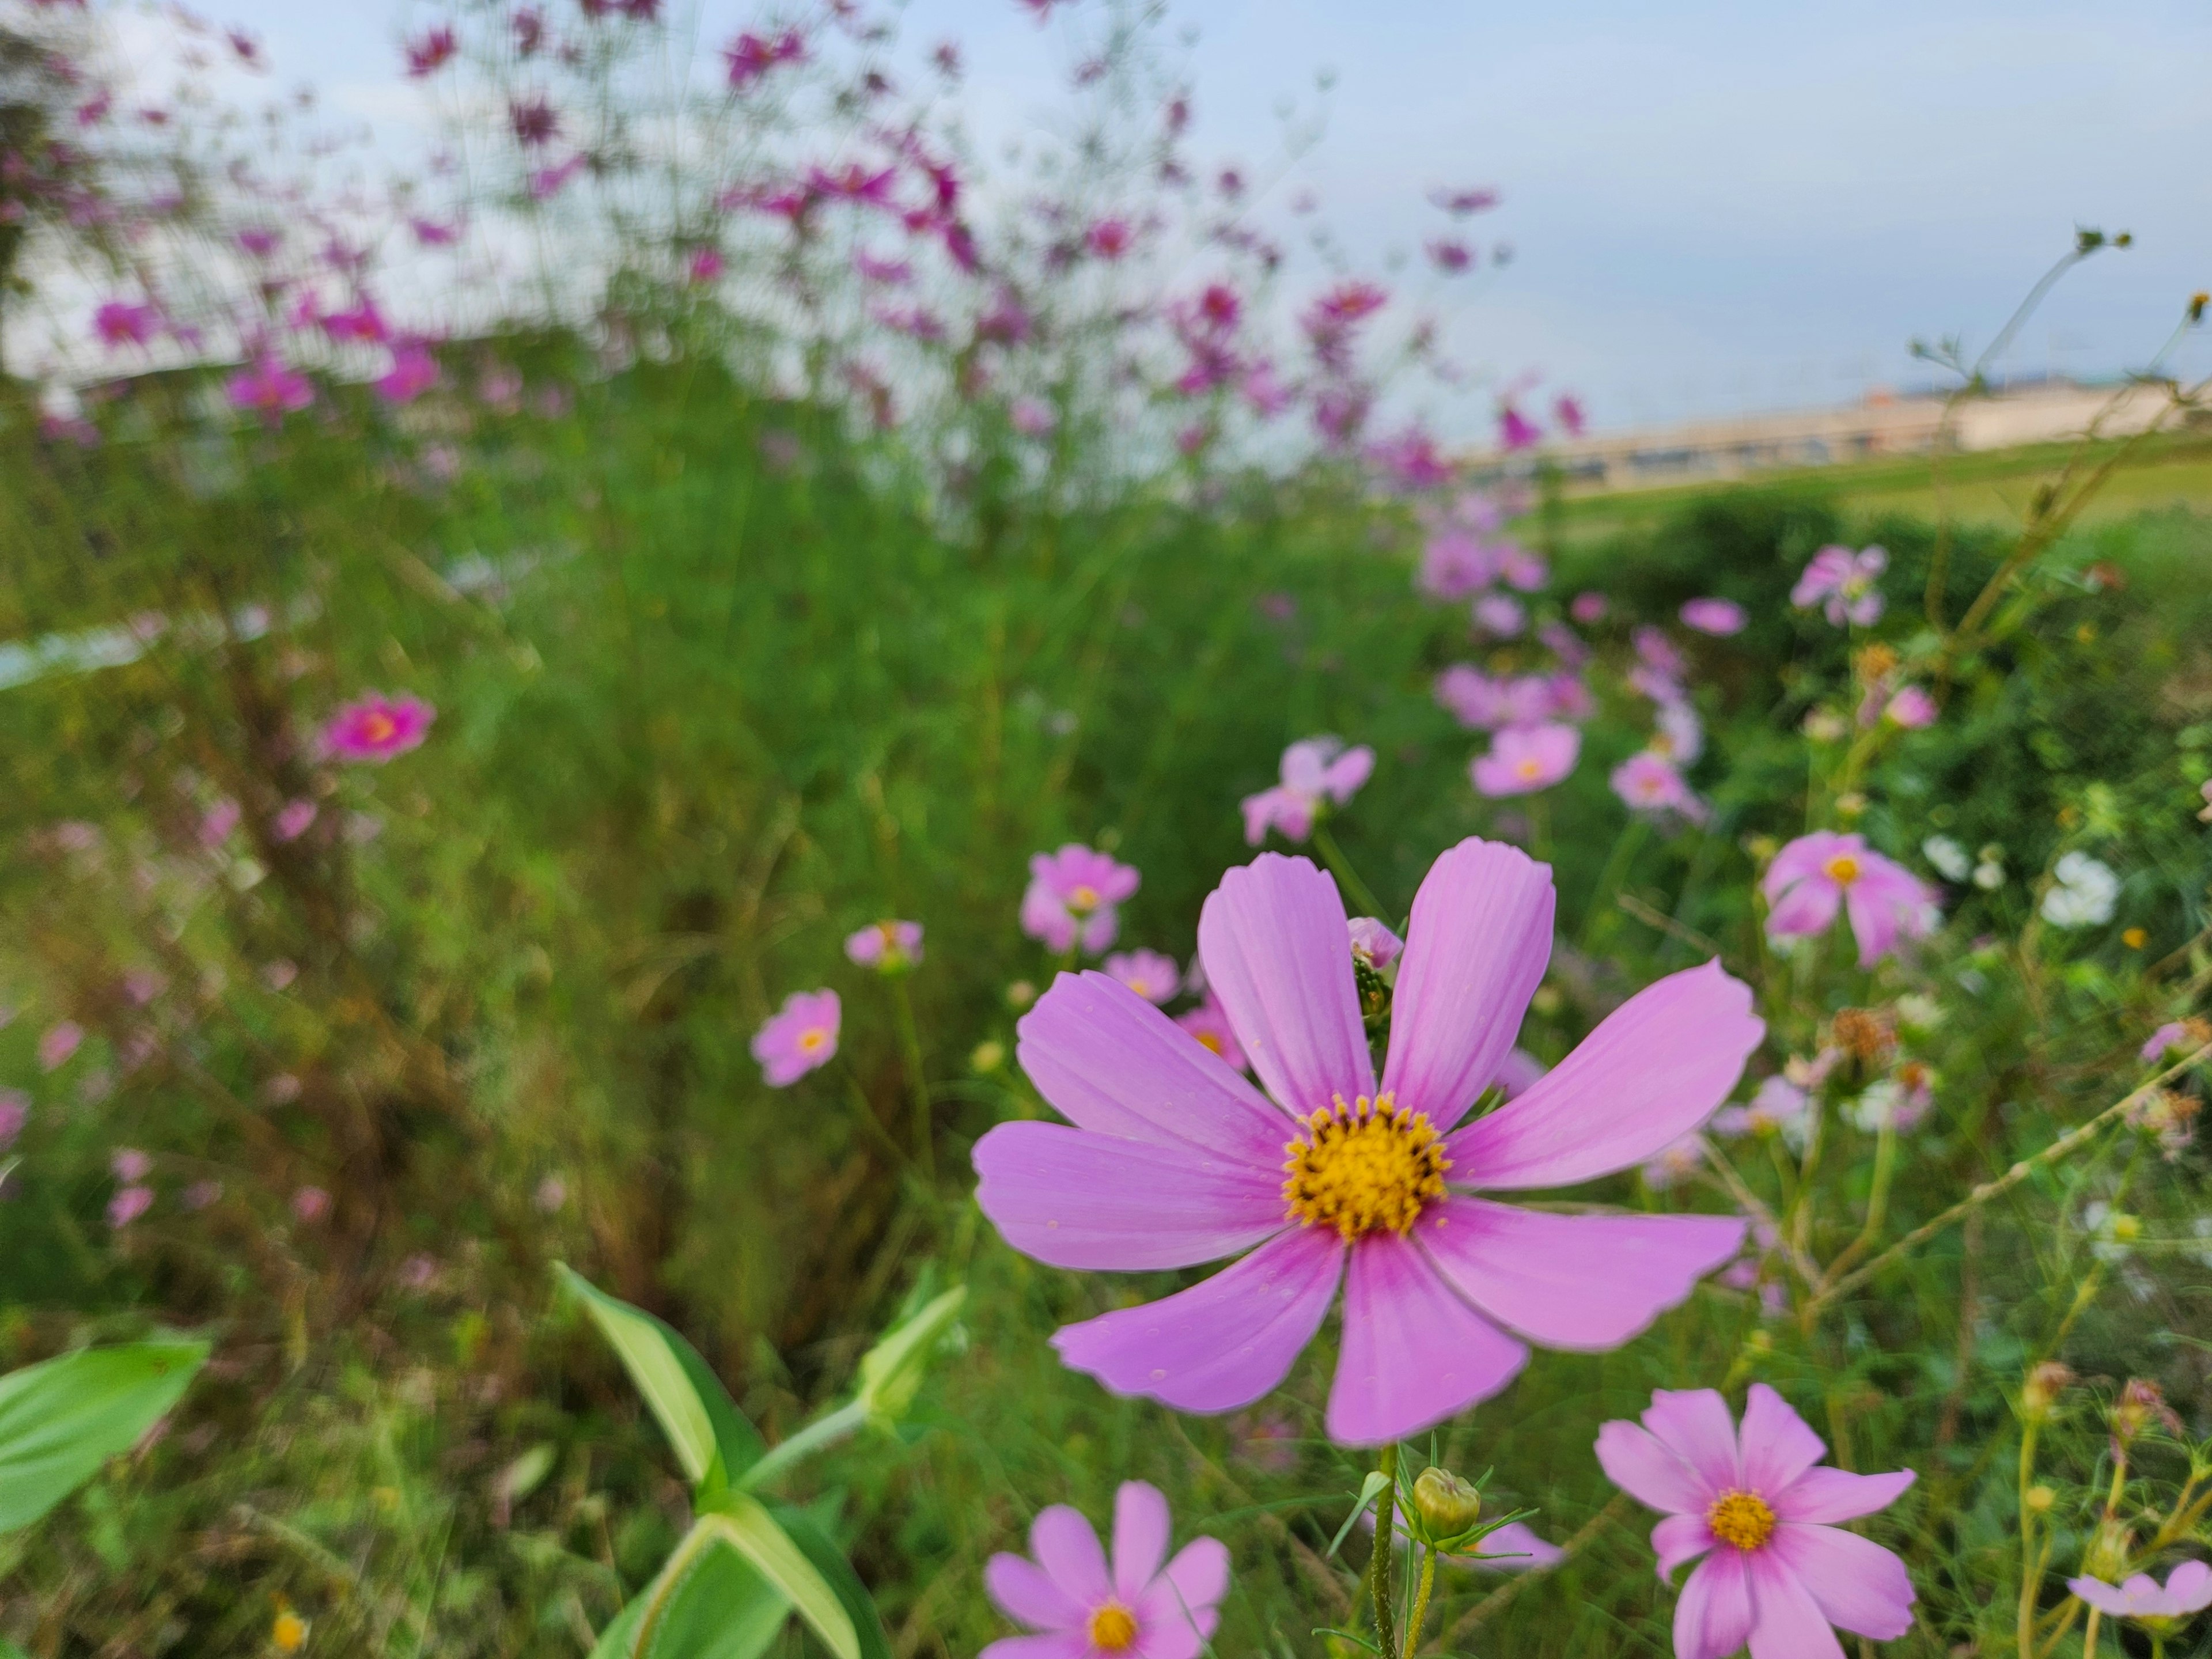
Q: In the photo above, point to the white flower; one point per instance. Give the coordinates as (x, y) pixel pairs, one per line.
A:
(2082, 892)
(1951, 861)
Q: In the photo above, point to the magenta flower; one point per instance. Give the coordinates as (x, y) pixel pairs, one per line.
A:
(1719, 618)
(1485, 704)
(376, 727)
(1173, 1159)
(1842, 583)
(269, 388)
(1649, 782)
(1081, 1608)
(15, 1113)
(1778, 1570)
(1911, 708)
(119, 323)
(706, 264)
(2172, 1035)
(1450, 256)
(1374, 944)
(1567, 410)
(1526, 758)
(1317, 773)
(413, 371)
(361, 324)
(430, 51)
(2187, 1589)
(1589, 607)
(798, 1037)
(1109, 239)
(1502, 615)
(1815, 875)
(886, 946)
(292, 820)
(534, 120)
(1152, 975)
(1456, 562)
(128, 1204)
(1209, 1024)
(1515, 430)
(57, 1043)
(1074, 897)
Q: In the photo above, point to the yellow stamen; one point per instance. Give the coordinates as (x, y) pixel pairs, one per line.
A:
(379, 728)
(1362, 1167)
(1113, 1628)
(1082, 898)
(1843, 869)
(1740, 1518)
(1211, 1040)
(812, 1038)
(1528, 768)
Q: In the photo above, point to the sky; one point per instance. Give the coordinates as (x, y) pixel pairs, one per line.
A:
(1713, 207)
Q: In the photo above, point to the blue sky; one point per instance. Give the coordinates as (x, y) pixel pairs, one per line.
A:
(1714, 206)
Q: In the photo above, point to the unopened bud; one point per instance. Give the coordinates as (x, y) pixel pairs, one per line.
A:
(989, 1055)
(1448, 1506)
(2197, 303)
(1020, 994)
(2040, 1499)
(2040, 1393)
(2141, 1408)
(2110, 1547)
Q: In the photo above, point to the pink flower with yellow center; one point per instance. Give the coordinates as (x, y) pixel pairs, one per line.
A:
(1816, 875)
(1779, 1569)
(1141, 1604)
(376, 727)
(1523, 759)
(1152, 975)
(1074, 897)
(1170, 1158)
(1209, 1024)
(1317, 774)
(800, 1037)
(886, 946)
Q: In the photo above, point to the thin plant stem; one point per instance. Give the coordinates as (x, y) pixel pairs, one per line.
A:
(1421, 1600)
(1885, 1164)
(1378, 1565)
(2090, 1634)
(873, 1125)
(2030, 1577)
(925, 1135)
(1618, 863)
(1341, 867)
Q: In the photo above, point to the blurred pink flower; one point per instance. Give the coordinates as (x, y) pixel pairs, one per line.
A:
(1911, 708)
(1649, 782)
(1073, 898)
(885, 946)
(705, 265)
(798, 1037)
(217, 822)
(1079, 1605)
(200, 1194)
(1779, 1105)
(361, 324)
(1523, 759)
(534, 120)
(1678, 1161)
(118, 323)
(129, 1165)
(1816, 875)
(1209, 1024)
(1519, 567)
(550, 1194)
(1152, 975)
(1373, 943)
(15, 1113)
(546, 183)
(1496, 614)
(269, 389)
(1515, 430)
(311, 1203)
(1567, 410)
(57, 1043)
(1450, 256)
(1485, 704)
(292, 820)
(413, 371)
(2174, 1035)
(1588, 608)
(2187, 1590)
(1719, 618)
(1316, 774)
(1842, 583)
(751, 56)
(430, 49)
(1456, 562)
(1109, 238)
(128, 1204)
(1460, 202)
(376, 727)
(1779, 1568)
(257, 243)
(1032, 417)
(1170, 1160)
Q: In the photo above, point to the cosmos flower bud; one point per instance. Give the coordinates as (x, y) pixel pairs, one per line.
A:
(2141, 1408)
(1447, 1504)
(2197, 303)
(2045, 1385)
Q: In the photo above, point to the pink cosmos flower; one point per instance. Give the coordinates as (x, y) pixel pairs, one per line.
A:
(2168, 1036)
(413, 371)
(798, 1037)
(1521, 567)
(1816, 874)
(1450, 255)
(885, 946)
(1109, 239)
(1911, 708)
(218, 821)
(1456, 562)
(1152, 975)
(1484, 704)
(1170, 1158)
(1317, 773)
(292, 820)
(1501, 615)
(311, 1203)
(1374, 944)
(1678, 1161)
(430, 51)
(1648, 782)
(128, 1204)
(1081, 1608)
(130, 1165)
(1589, 607)
(1778, 1105)
(57, 1043)
(1074, 897)
(2187, 1589)
(361, 325)
(1842, 583)
(1778, 1570)
(1719, 618)
(1567, 410)
(1209, 1024)
(269, 388)
(15, 1113)
(1526, 758)
(119, 323)
(376, 727)
(1516, 431)
(1032, 417)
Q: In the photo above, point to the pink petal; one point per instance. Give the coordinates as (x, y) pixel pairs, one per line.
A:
(1678, 1539)
(1140, 1537)
(1806, 908)
(1413, 1353)
(1652, 1072)
(2101, 1596)
(1066, 1547)
(1475, 952)
(1078, 1199)
(1054, 1644)
(1713, 1618)
(1514, 1548)
(1179, 1609)
(1026, 1593)
(1855, 1582)
(1649, 1470)
(1694, 1425)
(1224, 1342)
(1777, 1446)
(1787, 1622)
(1825, 1497)
(1272, 939)
(1573, 1281)
(1106, 1059)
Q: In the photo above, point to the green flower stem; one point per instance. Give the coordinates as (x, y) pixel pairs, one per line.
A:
(825, 1430)
(2090, 1634)
(1626, 846)
(2030, 1577)
(873, 1125)
(1421, 1601)
(925, 1134)
(1341, 867)
(1378, 1565)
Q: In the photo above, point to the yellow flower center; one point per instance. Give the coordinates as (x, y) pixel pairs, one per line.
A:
(1843, 869)
(1740, 1518)
(812, 1038)
(1363, 1167)
(1113, 1628)
(1528, 768)
(378, 728)
(1211, 1040)
(1082, 898)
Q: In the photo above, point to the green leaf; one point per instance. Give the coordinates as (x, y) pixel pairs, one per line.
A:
(892, 1371)
(687, 1398)
(708, 1602)
(741, 1521)
(619, 1639)
(831, 1562)
(61, 1419)
(1369, 1489)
